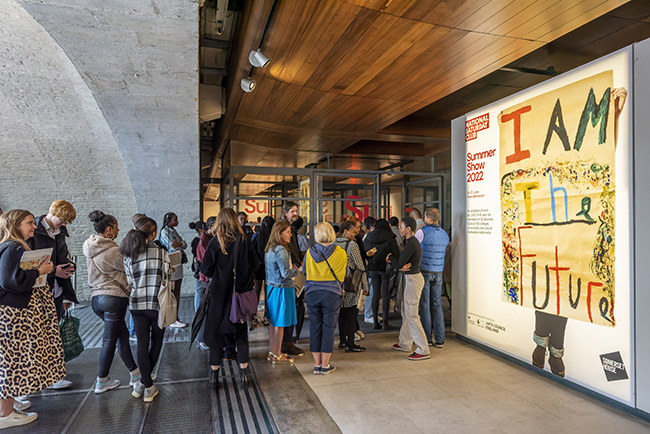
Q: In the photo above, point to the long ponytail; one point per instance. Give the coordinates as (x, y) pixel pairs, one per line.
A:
(135, 242)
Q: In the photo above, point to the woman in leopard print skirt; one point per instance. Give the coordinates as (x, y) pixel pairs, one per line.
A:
(31, 354)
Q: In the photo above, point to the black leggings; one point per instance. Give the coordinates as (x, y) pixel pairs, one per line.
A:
(240, 339)
(550, 325)
(112, 311)
(348, 325)
(378, 280)
(145, 322)
(177, 293)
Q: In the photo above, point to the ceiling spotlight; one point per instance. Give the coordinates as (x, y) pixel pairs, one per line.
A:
(258, 59)
(247, 84)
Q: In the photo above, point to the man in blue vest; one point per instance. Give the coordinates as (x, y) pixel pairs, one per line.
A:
(434, 241)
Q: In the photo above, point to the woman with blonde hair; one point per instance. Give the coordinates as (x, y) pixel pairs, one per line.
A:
(280, 289)
(30, 343)
(324, 269)
(228, 246)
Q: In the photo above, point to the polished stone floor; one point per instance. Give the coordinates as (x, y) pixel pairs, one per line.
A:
(461, 389)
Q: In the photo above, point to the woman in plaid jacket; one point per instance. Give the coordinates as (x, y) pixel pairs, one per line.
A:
(148, 269)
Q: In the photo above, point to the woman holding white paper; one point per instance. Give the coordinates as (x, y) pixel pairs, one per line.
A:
(30, 343)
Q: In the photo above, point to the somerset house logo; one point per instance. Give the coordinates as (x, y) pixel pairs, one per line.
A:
(613, 366)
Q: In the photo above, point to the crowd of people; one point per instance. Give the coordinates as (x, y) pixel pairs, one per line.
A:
(347, 266)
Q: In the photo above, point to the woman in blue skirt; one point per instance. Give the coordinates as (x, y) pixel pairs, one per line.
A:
(281, 289)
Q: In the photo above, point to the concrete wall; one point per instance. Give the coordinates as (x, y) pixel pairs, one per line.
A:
(98, 105)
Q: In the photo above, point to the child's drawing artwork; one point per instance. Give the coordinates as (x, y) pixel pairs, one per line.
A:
(558, 201)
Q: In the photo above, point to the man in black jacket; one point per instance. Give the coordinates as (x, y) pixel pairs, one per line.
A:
(51, 232)
(290, 214)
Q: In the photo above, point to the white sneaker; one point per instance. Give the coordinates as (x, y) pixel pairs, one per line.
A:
(22, 404)
(106, 385)
(178, 325)
(17, 418)
(150, 393)
(369, 320)
(138, 390)
(61, 384)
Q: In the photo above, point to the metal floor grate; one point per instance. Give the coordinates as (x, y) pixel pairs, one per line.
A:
(240, 411)
(184, 405)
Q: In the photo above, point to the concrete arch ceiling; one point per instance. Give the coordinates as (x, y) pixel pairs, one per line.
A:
(138, 58)
(54, 140)
(343, 71)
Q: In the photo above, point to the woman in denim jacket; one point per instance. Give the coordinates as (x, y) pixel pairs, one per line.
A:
(281, 289)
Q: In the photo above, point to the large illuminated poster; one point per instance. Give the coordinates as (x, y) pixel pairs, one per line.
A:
(557, 200)
(548, 232)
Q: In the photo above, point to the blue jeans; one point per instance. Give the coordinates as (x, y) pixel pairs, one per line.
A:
(431, 307)
(323, 308)
(379, 288)
(367, 311)
(200, 288)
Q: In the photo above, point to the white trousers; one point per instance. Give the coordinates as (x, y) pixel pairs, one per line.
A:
(411, 331)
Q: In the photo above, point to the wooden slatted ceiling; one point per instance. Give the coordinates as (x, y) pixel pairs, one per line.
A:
(606, 34)
(359, 66)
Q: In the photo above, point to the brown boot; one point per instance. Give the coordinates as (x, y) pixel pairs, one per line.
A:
(555, 361)
(539, 356)
(557, 365)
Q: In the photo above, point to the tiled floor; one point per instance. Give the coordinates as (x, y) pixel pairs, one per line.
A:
(461, 389)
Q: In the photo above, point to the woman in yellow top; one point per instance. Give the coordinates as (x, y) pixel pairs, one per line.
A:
(324, 270)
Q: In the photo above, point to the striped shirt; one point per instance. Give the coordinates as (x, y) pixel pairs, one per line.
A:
(146, 274)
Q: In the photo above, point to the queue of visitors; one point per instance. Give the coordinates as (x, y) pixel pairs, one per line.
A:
(342, 271)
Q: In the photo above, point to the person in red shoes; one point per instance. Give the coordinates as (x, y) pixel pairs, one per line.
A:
(408, 261)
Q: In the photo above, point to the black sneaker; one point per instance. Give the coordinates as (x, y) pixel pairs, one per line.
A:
(341, 345)
(292, 350)
(355, 349)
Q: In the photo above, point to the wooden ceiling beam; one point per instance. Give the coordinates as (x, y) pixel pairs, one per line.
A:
(343, 71)
(350, 135)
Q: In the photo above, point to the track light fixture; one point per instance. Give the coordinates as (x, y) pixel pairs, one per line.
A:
(258, 59)
(247, 84)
